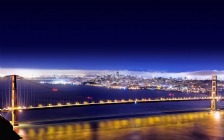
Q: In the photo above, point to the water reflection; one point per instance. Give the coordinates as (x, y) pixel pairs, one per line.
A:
(186, 126)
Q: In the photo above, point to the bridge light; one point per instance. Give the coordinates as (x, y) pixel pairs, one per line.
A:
(85, 102)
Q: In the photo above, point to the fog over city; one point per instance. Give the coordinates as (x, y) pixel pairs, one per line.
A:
(200, 75)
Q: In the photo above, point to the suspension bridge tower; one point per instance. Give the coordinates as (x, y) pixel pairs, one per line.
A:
(214, 93)
(14, 102)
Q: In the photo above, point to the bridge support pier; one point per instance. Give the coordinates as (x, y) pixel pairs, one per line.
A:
(214, 93)
(14, 102)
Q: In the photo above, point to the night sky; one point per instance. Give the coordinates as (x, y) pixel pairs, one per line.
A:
(153, 36)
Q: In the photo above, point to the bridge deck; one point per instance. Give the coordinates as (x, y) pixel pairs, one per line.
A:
(109, 102)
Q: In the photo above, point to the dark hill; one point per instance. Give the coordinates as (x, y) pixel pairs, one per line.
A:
(6, 130)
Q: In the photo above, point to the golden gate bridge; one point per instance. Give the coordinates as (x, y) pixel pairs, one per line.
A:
(21, 94)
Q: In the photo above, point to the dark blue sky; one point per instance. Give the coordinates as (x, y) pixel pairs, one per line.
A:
(163, 36)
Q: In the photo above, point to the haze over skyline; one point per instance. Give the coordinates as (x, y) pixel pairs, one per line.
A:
(151, 36)
(32, 73)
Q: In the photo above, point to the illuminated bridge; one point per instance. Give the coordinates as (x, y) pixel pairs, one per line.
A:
(21, 94)
(108, 102)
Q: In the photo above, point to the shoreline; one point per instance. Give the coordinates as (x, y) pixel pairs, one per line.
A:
(125, 88)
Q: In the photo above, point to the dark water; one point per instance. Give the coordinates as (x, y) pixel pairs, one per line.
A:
(127, 121)
(186, 126)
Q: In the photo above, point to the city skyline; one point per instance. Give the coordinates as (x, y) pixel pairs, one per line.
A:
(32, 73)
(151, 36)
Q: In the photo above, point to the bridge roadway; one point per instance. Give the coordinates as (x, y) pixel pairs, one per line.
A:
(110, 102)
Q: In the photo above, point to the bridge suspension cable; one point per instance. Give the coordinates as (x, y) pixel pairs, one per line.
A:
(31, 93)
